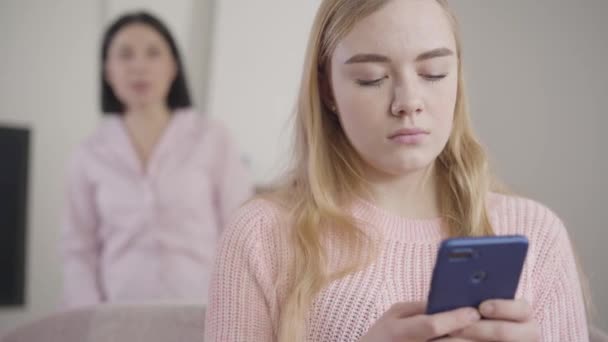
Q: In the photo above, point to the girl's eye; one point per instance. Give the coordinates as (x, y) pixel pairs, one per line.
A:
(368, 83)
(434, 78)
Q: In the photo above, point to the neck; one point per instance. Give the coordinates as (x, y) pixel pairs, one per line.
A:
(412, 195)
(149, 115)
(146, 125)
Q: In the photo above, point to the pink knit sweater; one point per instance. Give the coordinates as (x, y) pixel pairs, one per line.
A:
(249, 283)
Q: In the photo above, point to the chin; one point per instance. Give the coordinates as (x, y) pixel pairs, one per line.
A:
(410, 165)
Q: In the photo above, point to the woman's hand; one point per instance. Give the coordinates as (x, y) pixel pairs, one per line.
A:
(408, 322)
(504, 320)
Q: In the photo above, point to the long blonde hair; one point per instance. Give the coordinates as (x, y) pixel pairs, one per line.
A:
(326, 170)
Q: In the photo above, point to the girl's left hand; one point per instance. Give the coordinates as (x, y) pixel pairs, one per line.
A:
(504, 320)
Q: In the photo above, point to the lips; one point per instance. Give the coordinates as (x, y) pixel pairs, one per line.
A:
(140, 86)
(404, 132)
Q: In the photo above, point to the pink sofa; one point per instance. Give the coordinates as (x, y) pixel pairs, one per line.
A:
(596, 335)
(109, 323)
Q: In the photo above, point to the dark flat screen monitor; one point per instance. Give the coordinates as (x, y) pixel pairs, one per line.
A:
(14, 164)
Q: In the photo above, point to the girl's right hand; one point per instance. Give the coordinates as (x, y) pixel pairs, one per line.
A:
(408, 322)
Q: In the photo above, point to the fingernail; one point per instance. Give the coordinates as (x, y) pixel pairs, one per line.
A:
(487, 309)
(474, 315)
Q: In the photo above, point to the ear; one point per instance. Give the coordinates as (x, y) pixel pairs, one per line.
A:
(326, 92)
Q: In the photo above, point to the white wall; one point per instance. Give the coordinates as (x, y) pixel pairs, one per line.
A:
(48, 83)
(257, 57)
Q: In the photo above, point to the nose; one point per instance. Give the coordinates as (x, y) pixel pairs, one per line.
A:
(139, 63)
(407, 100)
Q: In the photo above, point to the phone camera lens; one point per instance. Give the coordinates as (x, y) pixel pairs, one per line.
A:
(478, 277)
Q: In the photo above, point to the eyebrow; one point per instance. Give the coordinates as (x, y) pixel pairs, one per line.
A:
(435, 53)
(375, 58)
(367, 58)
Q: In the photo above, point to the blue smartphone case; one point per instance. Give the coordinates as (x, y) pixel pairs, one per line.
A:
(469, 271)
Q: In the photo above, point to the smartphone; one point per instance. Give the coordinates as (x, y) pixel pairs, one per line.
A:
(471, 270)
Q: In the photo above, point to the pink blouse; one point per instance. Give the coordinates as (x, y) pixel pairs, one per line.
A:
(139, 235)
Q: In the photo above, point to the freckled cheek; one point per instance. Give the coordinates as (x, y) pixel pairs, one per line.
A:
(364, 105)
(443, 122)
(362, 116)
(362, 129)
(442, 101)
(442, 109)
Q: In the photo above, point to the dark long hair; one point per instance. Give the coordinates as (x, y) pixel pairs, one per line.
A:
(179, 96)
